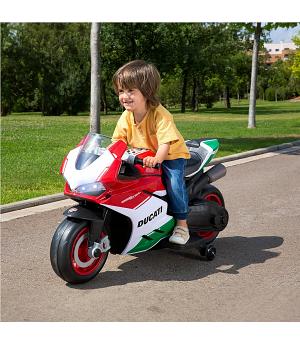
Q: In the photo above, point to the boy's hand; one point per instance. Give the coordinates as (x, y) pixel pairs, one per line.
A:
(150, 162)
(160, 156)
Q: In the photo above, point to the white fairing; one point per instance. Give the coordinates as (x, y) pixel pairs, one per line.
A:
(205, 152)
(210, 152)
(76, 178)
(153, 212)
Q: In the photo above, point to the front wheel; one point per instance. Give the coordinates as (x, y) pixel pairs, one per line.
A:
(69, 252)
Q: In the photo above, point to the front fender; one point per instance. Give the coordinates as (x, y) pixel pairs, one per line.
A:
(93, 216)
(86, 213)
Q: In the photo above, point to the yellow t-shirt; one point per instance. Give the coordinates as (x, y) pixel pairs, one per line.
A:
(156, 128)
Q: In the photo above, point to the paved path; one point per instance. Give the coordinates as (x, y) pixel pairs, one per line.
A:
(255, 276)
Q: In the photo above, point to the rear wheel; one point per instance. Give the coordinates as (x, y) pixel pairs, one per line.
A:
(69, 252)
(211, 193)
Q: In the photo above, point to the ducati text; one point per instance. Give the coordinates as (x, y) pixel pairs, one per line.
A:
(150, 217)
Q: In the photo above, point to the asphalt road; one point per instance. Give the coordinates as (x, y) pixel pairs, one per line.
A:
(255, 276)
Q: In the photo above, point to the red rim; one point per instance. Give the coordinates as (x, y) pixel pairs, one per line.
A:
(81, 262)
(207, 235)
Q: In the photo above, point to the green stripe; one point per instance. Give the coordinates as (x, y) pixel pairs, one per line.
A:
(213, 143)
(154, 237)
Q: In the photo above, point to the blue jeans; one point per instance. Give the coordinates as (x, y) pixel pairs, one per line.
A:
(173, 176)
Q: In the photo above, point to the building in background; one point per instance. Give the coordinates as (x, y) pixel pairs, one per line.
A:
(278, 51)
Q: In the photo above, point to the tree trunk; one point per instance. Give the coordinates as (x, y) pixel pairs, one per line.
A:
(252, 103)
(104, 99)
(197, 96)
(183, 91)
(228, 105)
(133, 42)
(4, 110)
(193, 103)
(238, 97)
(248, 91)
(95, 79)
(224, 97)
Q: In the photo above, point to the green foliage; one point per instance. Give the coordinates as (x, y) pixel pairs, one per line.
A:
(296, 62)
(170, 90)
(277, 83)
(211, 90)
(46, 66)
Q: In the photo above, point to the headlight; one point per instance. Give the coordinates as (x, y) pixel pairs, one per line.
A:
(95, 189)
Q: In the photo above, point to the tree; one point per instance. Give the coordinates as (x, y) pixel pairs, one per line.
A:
(252, 105)
(60, 54)
(18, 71)
(258, 30)
(296, 60)
(122, 42)
(95, 79)
(8, 61)
(45, 67)
(241, 63)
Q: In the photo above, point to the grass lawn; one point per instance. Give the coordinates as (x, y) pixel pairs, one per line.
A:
(33, 146)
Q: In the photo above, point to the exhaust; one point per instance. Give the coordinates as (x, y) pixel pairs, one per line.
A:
(215, 173)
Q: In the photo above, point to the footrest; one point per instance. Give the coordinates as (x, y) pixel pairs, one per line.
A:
(193, 242)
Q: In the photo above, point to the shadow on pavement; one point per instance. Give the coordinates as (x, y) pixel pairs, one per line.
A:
(233, 253)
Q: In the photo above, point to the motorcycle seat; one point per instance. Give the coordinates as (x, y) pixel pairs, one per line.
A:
(193, 164)
(197, 153)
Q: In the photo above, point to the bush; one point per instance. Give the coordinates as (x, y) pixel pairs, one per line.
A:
(280, 94)
(170, 91)
(211, 91)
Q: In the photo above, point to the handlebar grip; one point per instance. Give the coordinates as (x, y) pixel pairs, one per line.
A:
(140, 162)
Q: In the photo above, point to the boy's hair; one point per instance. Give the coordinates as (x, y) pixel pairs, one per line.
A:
(141, 75)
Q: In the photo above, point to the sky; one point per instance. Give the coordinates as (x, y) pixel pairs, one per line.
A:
(284, 35)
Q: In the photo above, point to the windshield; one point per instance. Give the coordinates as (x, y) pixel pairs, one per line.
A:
(95, 143)
(93, 147)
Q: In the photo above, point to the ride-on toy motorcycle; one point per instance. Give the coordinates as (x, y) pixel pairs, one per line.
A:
(123, 207)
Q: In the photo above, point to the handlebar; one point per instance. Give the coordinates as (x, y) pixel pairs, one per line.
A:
(140, 162)
(131, 159)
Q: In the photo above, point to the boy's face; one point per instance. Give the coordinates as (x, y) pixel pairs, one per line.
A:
(132, 100)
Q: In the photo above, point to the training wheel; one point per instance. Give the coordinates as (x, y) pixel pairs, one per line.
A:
(209, 252)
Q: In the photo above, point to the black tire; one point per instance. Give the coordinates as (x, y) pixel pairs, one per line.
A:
(211, 253)
(208, 252)
(213, 194)
(212, 190)
(68, 252)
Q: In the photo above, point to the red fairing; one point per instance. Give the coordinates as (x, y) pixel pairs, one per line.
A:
(63, 164)
(130, 192)
(127, 188)
(117, 148)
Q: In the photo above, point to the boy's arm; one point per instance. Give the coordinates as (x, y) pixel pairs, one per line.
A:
(120, 132)
(160, 156)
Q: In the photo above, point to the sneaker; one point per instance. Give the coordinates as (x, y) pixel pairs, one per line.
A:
(180, 235)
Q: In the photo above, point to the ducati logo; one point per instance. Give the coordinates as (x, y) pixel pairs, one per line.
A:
(150, 217)
(130, 198)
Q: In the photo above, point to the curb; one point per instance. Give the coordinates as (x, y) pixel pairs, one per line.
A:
(254, 152)
(19, 205)
(60, 196)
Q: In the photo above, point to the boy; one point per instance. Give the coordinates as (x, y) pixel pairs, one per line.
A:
(145, 123)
